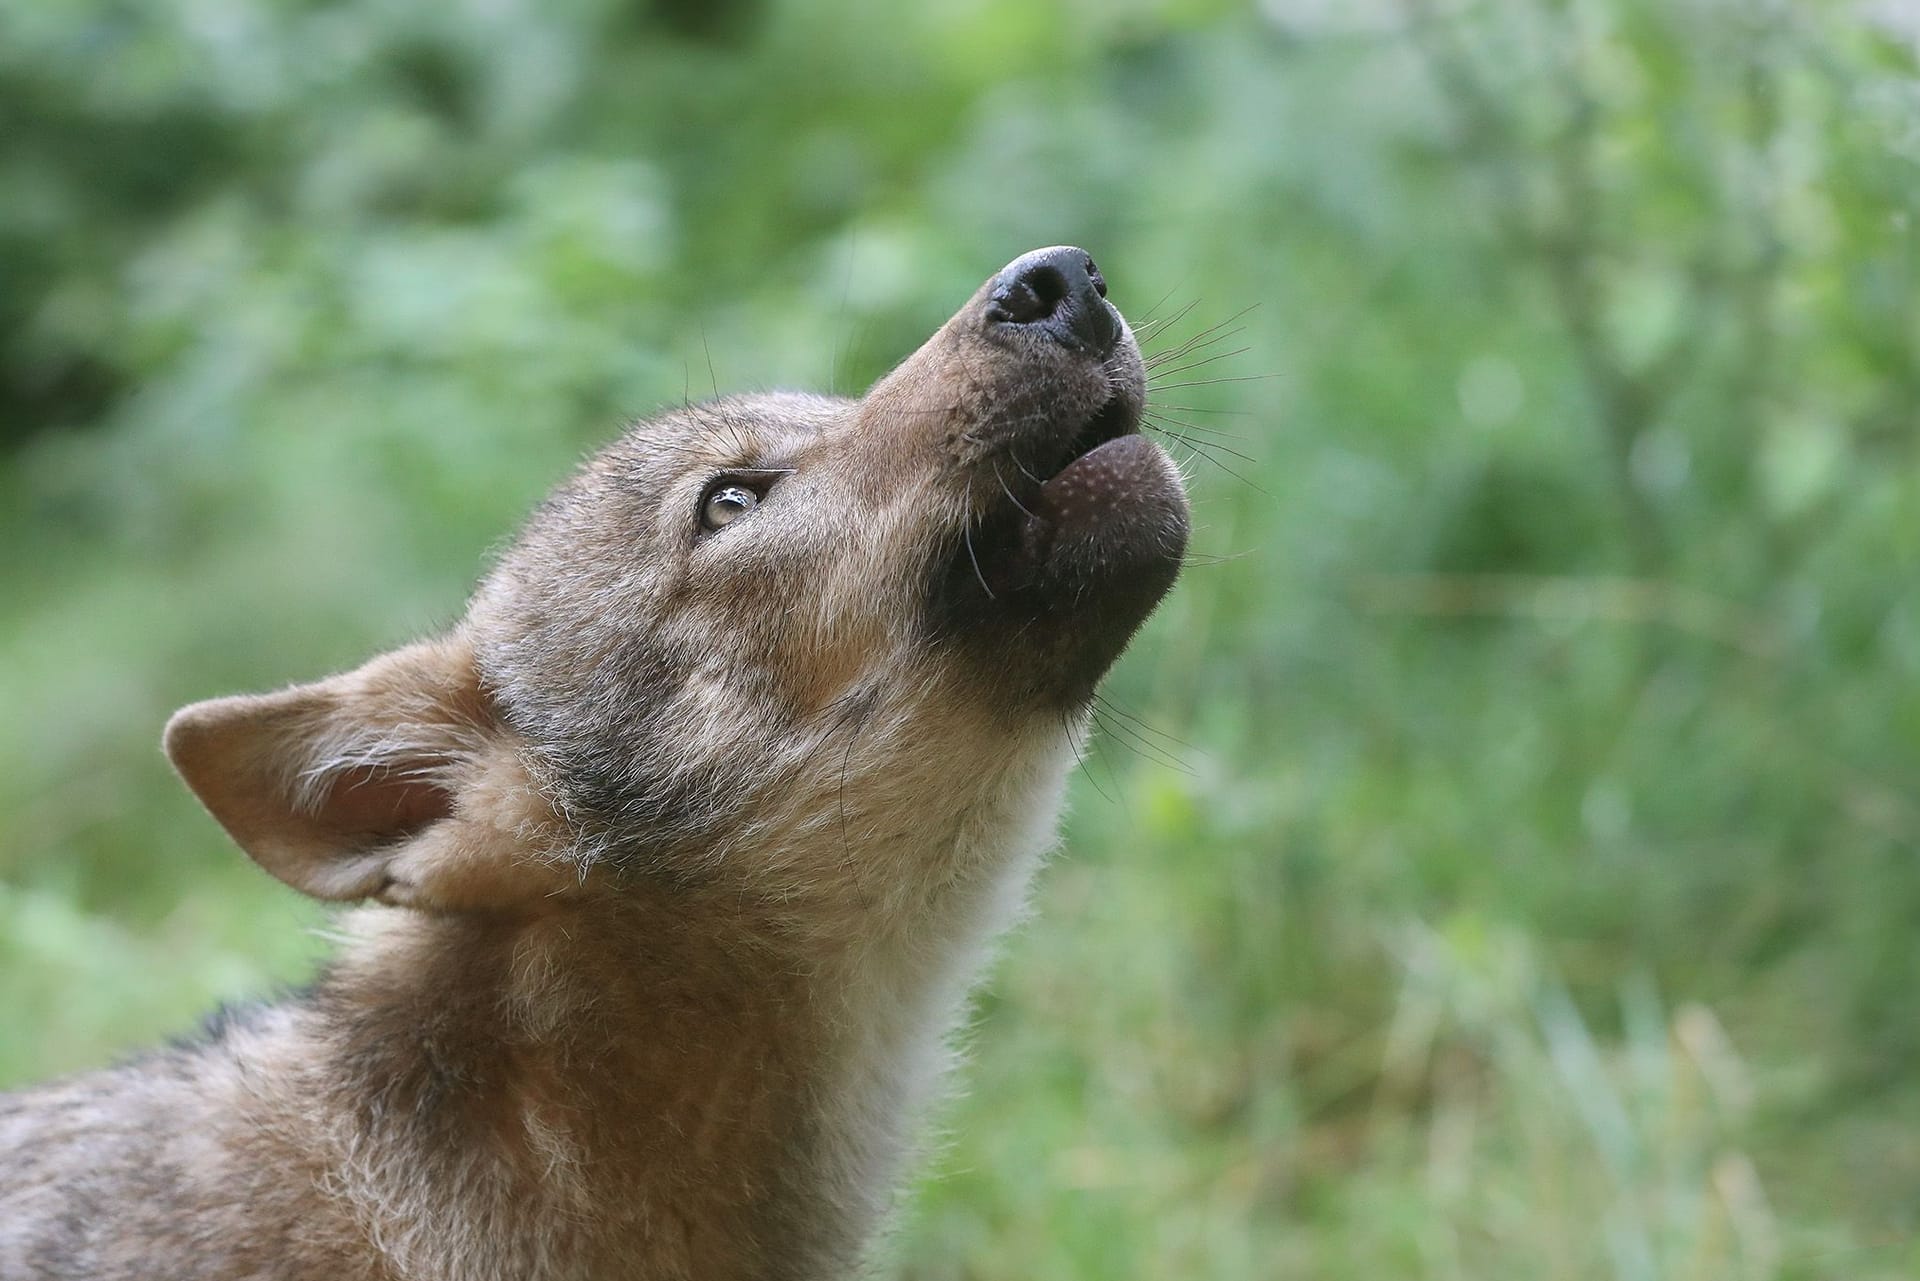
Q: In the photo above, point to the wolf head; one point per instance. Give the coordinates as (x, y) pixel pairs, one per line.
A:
(779, 645)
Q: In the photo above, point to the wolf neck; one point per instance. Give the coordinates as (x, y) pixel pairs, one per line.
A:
(726, 1090)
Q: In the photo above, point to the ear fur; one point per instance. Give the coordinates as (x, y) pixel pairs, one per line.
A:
(395, 781)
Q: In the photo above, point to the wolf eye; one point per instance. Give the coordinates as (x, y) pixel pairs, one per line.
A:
(726, 502)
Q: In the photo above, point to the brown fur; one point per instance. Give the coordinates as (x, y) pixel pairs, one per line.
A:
(681, 851)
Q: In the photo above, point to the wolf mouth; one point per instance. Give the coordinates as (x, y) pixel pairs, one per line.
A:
(1097, 500)
(1074, 522)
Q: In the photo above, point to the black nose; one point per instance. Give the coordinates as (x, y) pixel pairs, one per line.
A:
(1059, 292)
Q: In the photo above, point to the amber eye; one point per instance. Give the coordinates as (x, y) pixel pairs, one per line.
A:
(725, 502)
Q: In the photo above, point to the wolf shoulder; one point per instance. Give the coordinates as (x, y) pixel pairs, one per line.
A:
(160, 1167)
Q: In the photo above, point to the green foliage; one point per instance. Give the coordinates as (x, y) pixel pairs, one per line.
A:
(1539, 896)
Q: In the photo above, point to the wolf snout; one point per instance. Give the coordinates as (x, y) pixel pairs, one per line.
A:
(1060, 293)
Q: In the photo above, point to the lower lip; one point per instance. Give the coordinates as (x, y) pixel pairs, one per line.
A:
(1099, 475)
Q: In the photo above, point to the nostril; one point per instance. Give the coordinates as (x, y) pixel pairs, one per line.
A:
(1035, 295)
(1099, 281)
(1049, 284)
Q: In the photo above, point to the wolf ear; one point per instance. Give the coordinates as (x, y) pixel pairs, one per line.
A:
(371, 784)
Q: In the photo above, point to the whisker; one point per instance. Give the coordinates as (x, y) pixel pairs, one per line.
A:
(1141, 746)
(927, 409)
(1207, 560)
(840, 706)
(1153, 326)
(1203, 363)
(1200, 451)
(1110, 703)
(1202, 338)
(1199, 409)
(1250, 307)
(1078, 756)
(1187, 348)
(1145, 333)
(1008, 492)
(1192, 338)
(966, 536)
(1146, 749)
(1208, 382)
(711, 376)
(1173, 431)
(1147, 315)
(861, 704)
(1095, 740)
(1015, 460)
(840, 318)
(1184, 425)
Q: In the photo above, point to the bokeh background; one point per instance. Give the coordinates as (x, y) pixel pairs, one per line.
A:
(1501, 861)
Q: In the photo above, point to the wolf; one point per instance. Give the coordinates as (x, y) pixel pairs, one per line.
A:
(672, 862)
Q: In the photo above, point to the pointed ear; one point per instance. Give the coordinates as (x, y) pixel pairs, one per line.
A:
(386, 782)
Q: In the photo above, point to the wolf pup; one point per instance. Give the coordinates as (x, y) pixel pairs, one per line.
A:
(679, 852)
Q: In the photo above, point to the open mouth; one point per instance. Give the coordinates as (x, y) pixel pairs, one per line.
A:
(1089, 488)
(1113, 420)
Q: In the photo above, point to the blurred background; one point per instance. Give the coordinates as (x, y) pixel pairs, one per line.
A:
(1502, 863)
